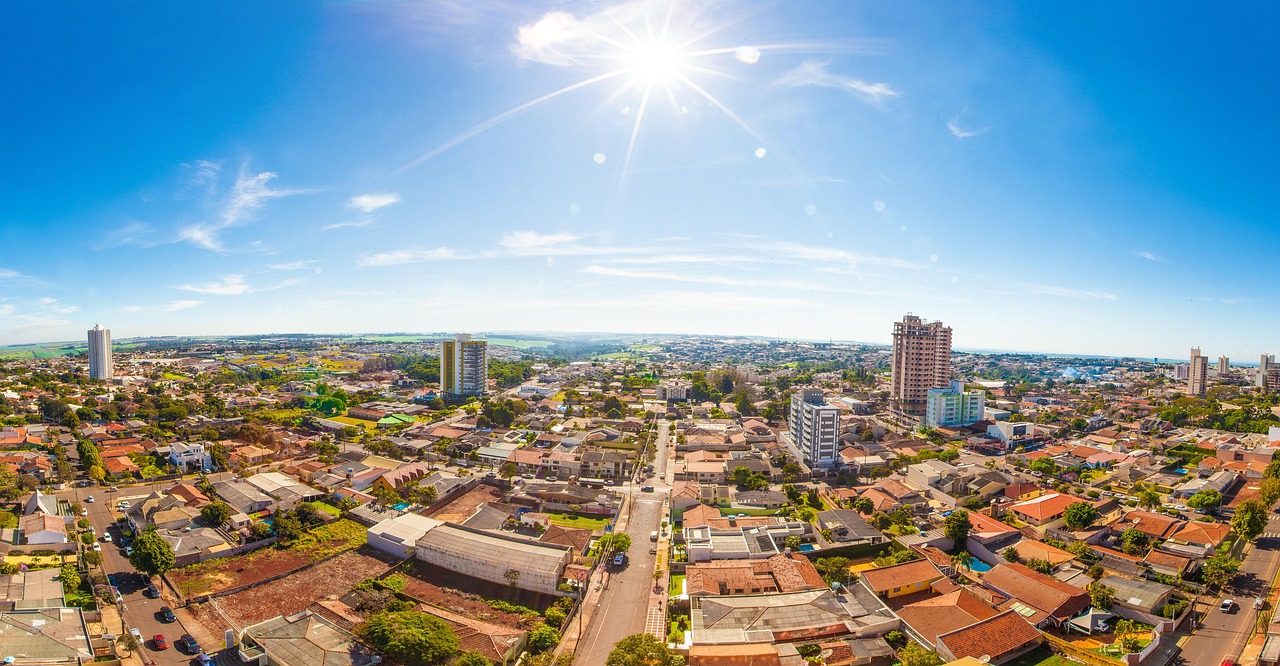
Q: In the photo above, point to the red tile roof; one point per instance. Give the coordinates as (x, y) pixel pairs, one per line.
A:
(1045, 593)
(994, 637)
(933, 617)
(900, 575)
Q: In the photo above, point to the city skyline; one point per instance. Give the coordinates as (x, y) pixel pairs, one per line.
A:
(1040, 179)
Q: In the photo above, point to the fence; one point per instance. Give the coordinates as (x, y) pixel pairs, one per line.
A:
(1080, 654)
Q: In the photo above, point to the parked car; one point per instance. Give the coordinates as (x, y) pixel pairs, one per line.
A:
(97, 547)
(84, 512)
(646, 489)
(113, 489)
(1227, 605)
(1258, 604)
(160, 641)
(204, 659)
(188, 642)
(152, 592)
(106, 538)
(89, 499)
(166, 614)
(619, 559)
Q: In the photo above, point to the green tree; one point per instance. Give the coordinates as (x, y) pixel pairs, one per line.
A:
(411, 638)
(1132, 540)
(1037, 564)
(1150, 499)
(472, 659)
(913, 654)
(1269, 491)
(507, 470)
(834, 569)
(741, 475)
(1220, 569)
(1273, 469)
(70, 579)
(1250, 519)
(1045, 466)
(151, 554)
(1100, 595)
(793, 542)
(216, 513)
(956, 527)
(1012, 555)
(543, 639)
(863, 505)
(1080, 515)
(548, 659)
(615, 543)
(1205, 499)
(643, 650)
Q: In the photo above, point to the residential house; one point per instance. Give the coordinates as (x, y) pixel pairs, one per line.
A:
(1042, 600)
(1043, 509)
(849, 527)
(243, 497)
(1156, 526)
(189, 455)
(932, 617)
(995, 641)
(782, 618)
(782, 573)
(304, 639)
(43, 528)
(1143, 596)
(397, 479)
(901, 579)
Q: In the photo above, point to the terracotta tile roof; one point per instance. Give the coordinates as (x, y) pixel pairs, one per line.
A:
(1161, 558)
(900, 575)
(1209, 534)
(1045, 507)
(573, 537)
(982, 524)
(880, 501)
(1155, 525)
(1030, 549)
(895, 489)
(933, 617)
(1044, 593)
(491, 640)
(993, 637)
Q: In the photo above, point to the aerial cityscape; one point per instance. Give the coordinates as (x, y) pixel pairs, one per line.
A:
(639, 333)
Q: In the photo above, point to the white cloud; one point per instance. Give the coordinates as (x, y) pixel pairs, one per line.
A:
(962, 133)
(410, 256)
(7, 309)
(557, 38)
(367, 203)
(1070, 292)
(171, 306)
(245, 203)
(358, 223)
(535, 243)
(827, 254)
(814, 73)
(293, 265)
(230, 285)
(10, 274)
(1151, 256)
(53, 305)
(686, 277)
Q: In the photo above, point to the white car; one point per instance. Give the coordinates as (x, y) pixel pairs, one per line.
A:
(106, 538)
(1181, 507)
(97, 547)
(89, 499)
(1227, 605)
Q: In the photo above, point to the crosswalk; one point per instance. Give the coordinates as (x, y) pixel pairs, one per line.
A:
(1269, 535)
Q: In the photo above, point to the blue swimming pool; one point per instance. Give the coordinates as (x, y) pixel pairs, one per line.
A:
(806, 547)
(401, 506)
(978, 565)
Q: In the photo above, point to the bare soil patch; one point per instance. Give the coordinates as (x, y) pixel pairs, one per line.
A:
(463, 507)
(293, 593)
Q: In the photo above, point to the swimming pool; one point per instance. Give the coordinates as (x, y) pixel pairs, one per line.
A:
(401, 506)
(978, 565)
(806, 547)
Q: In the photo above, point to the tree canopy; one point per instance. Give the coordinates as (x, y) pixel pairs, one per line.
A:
(1250, 519)
(151, 554)
(1205, 499)
(643, 650)
(1080, 515)
(411, 638)
(956, 527)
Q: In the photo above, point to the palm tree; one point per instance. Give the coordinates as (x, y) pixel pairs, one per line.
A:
(960, 560)
(1148, 498)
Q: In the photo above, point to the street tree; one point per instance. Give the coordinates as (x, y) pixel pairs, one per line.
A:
(1220, 569)
(151, 554)
(1205, 499)
(1250, 519)
(643, 650)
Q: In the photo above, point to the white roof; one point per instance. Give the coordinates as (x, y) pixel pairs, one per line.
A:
(406, 528)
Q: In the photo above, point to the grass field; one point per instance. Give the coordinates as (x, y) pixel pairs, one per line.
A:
(359, 423)
(1040, 657)
(675, 586)
(582, 522)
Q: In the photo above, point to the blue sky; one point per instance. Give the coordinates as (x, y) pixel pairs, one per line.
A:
(1087, 178)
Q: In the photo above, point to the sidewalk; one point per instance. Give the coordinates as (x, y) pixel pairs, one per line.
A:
(597, 584)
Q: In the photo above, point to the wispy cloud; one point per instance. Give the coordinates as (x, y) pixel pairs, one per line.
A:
(10, 274)
(562, 244)
(294, 265)
(409, 256)
(1070, 292)
(1151, 256)
(171, 306)
(961, 131)
(367, 203)
(246, 201)
(357, 223)
(691, 278)
(54, 305)
(803, 252)
(814, 73)
(229, 285)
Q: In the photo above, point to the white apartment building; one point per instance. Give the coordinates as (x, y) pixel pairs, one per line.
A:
(921, 361)
(815, 428)
(464, 366)
(674, 390)
(1198, 373)
(954, 406)
(100, 353)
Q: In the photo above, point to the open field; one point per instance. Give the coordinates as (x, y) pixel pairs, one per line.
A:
(231, 572)
(293, 593)
(581, 522)
(420, 586)
(518, 343)
(359, 423)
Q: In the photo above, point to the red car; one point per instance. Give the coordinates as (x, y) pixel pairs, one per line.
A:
(161, 643)
(1230, 662)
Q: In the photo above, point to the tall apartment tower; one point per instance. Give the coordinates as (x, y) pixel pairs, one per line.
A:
(100, 352)
(464, 366)
(921, 361)
(815, 428)
(1264, 368)
(1198, 373)
(1224, 365)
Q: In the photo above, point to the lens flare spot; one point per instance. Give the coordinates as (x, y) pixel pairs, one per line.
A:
(747, 54)
(810, 209)
(598, 158)
(879, 206)
(933, 258)
(575, 208)
(761, 152)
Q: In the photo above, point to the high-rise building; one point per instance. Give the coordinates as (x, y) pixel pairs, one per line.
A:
(815, 428)
(1224, 365)
(921, 361)
(1198, 373)
(464, 366)
(100, 352)
(954, 406)
(1264, 368)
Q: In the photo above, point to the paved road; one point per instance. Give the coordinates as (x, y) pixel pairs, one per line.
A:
(139, 611)
(1224, 634)
(624, 605)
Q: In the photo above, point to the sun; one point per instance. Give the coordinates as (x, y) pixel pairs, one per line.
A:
(654, 62)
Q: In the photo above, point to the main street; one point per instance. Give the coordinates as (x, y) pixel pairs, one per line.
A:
(138, 611)
(625, 603)
(1221, 634)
